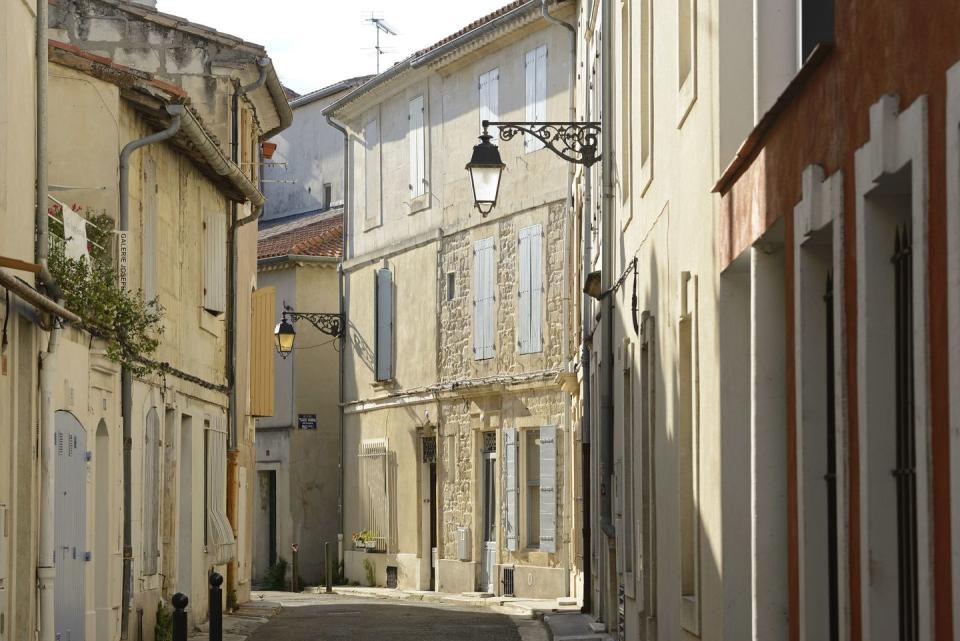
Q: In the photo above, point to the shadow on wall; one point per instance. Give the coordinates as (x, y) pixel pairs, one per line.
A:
(361, 347)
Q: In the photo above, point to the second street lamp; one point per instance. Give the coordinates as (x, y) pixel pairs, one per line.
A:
(485, 169)
(284, 334)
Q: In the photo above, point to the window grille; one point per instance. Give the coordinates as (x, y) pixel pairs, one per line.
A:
(375, 490)
(905, 472)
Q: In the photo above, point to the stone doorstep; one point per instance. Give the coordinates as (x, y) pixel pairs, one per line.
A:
(575, 627)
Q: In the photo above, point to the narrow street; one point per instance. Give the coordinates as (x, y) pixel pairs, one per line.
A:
(343, 618)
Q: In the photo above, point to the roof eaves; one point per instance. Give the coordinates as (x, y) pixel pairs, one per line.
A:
(329, 90)
(476, 29)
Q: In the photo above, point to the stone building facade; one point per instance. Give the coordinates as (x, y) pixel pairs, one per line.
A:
(465, 433)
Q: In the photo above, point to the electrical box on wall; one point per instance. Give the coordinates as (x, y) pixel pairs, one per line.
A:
(463, 543)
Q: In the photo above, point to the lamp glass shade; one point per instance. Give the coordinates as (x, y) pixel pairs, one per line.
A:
(284, 335)
(485, 169)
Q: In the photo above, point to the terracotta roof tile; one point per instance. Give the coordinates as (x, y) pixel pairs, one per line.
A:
(321, 238)
(473, 25)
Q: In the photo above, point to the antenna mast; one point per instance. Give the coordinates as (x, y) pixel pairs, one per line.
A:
(380, 26)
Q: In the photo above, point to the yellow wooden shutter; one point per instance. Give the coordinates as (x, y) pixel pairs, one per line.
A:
(263, 305)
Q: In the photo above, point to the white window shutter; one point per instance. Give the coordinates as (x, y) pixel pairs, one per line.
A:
(484, 86)
(483, 299)
(422, 148)
(541, 88)
(384, 324)
(417, 161)
(494, 91)
(523, 311)
(536, 287)
(510, 471)
(214, 262)
(371, 172)
(548, 489)
(530, 143)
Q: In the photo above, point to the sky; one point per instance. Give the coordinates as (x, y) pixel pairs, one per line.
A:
(315, 43)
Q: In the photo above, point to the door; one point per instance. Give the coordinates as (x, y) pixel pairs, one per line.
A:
(70, 446)
(489, 552)
(185, 522)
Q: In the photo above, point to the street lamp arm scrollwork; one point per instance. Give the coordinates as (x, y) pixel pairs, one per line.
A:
(575, 142)
(328, 323)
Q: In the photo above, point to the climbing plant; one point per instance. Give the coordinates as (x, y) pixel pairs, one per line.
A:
(130, 325)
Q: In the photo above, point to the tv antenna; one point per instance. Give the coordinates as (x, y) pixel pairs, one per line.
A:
(380, 26)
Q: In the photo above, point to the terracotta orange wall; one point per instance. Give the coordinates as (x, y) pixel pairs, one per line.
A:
(882, 46)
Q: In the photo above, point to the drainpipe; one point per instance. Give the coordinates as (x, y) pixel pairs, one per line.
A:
(231, 328)
(343, 319)
(126, 379)
(567, 234)
(606, 274)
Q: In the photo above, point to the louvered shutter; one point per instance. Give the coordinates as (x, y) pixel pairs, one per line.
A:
(490, 97)
(262, 351)
(384, 327)
(371, 174)
(541, 84)
(530, 143)
(510, 472)
(536, 287)
(417, 160)
(523, 313)
(214, 262)
(548, 489)
(530, 290)
(483, 299)
(484, 87)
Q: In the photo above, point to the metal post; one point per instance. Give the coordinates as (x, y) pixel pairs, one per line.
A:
(328, 554)
(180, 602)
(216, 607)
(295, 578)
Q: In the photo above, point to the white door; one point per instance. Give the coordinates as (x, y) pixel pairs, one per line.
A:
(489, 560)
(70, 551)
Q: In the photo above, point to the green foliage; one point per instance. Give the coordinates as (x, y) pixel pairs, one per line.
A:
(130, 325)
(276, 578)
(163, 629)
(371, 573)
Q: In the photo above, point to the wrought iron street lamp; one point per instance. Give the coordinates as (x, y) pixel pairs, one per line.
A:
(285, 334)
(575, 142)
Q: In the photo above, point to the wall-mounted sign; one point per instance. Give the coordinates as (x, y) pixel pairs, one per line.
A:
(123, 257)
(307, 421)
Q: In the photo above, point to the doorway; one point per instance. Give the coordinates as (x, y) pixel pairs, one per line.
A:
(185, 533)
(433, 525)
(101, 554)
(489, 521)
(70, 551)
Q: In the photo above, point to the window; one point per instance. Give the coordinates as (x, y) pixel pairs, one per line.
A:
(214, 262)
(646, 515)
(628, 509)
(643, 79)
(151, 489)
(371, 173)
(688, 417)
(536, 76)
(548, 489)
(375, 490)
(686, 57)
(218, 533)
(490, 97)
(483, 299)
(327, 195)
(384, 324)
(451, 285)
(531, 290)
(418, 174)
(624, 101)
(532, 448)
(816, 25)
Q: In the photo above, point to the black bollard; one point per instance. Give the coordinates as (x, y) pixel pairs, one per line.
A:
(216, 607)
(180, 602)
(328, 553)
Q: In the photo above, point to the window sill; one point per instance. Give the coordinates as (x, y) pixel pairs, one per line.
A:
(690, 614)
(211, 322)
(419, 203)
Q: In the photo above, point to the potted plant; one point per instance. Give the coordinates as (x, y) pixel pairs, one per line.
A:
(365, 539)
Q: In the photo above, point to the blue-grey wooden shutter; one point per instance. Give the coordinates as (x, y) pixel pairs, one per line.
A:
(483, 299)
(214, 262)
(530, 290)
(384, 324)
(548, 489)
(510, 472)
(530, 143)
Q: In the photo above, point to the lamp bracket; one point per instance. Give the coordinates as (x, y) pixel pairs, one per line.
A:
(329, 324)
(575, 142)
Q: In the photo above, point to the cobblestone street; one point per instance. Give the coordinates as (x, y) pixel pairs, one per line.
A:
(341, 618)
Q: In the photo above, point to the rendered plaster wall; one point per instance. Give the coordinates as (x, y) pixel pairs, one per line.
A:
(313, 153)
